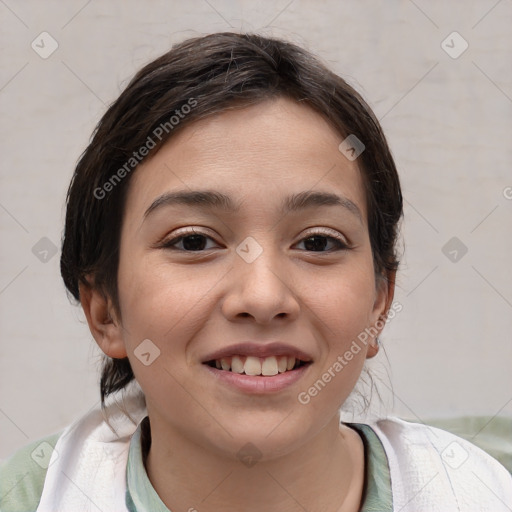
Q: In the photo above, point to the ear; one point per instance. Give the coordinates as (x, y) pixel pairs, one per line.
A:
(385, 291)
(101, 317)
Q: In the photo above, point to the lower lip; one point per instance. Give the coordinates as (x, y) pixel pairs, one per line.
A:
(258, 384)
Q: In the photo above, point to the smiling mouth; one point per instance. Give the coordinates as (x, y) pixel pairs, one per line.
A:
(257, 366)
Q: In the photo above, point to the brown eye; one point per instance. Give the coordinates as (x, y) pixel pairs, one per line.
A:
(320, 242)
(189, 241)
(193, 242)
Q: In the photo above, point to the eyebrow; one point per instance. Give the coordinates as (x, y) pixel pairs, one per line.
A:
(212, 199)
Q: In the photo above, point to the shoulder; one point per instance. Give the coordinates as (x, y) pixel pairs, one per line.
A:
(420, 453)
(452, 449)
(22, 475)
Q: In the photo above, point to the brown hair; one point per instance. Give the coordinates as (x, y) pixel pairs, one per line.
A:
(198, 78)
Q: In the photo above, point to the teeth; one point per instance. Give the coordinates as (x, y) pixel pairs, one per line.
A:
(267, 366)
(237, 365)
(252, 366)
(282, 363)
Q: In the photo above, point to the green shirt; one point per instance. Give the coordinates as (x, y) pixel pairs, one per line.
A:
(22, 478)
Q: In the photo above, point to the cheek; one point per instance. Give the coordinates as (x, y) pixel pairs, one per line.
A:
(345, 301)
(342, 313)
(158, 303)
(160, 306)
(343, 308)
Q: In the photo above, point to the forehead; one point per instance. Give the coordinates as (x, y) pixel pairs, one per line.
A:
(262, 153)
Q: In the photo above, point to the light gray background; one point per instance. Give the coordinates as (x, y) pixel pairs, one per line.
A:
(448, 121)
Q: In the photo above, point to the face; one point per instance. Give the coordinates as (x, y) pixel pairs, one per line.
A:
(264, 282)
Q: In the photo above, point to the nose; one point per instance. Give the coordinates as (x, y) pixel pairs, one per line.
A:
(261, 290)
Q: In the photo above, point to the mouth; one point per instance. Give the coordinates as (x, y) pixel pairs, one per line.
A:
(257, 366)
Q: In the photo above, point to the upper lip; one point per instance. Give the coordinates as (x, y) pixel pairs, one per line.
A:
(258, 349)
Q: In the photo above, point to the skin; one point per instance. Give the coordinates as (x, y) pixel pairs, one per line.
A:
(190, 304)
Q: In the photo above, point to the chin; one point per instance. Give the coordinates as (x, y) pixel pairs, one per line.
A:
(265, 437)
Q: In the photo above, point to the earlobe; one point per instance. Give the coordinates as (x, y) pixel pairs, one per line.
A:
(101, 318)
(373, 348)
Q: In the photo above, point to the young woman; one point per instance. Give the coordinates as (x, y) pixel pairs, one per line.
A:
(230, 234)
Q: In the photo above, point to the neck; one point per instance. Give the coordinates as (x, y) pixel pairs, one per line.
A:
(326, 474)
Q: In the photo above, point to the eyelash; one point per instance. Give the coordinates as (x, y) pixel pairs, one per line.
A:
(327, 233)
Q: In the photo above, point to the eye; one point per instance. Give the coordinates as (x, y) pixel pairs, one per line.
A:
(190, 241)
(317, 241)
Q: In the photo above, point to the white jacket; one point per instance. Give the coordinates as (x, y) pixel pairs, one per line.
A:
(431, 470)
